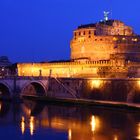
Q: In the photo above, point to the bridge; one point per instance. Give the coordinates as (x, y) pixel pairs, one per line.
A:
(16, 86)
(112, 89)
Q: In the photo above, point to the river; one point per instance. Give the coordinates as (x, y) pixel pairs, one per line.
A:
(37, 121)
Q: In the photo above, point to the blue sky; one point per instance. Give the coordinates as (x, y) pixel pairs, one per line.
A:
(41, 30)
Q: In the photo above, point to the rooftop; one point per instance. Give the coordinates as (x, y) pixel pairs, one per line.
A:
(105, 22)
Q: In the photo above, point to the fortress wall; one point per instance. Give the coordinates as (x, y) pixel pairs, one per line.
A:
(125, 90)
(105, 69)
(100, 47)
(67, 69)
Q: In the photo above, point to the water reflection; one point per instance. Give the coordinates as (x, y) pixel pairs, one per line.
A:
(115, 137)
(138, 131)
(95, 123)
(32, 125)
(69, 134)
(69, 123)
(22, 125)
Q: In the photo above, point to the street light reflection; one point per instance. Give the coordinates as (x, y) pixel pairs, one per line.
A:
(93, 123)
(32, 125)
(115, 137)
(138, 136)
(22, 125)
(69, 134)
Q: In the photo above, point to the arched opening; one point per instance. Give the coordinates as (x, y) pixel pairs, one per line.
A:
(4, 91)
(34, 88)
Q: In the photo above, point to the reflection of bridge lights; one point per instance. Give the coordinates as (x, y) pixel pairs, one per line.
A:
(95, 83)
(32, 125)
(69, 134)
(93, 123)
(115, 137)
(138, 137)
(22, 125)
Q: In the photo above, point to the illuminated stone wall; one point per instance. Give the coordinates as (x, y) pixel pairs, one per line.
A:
(115, 68)
(125, 90)
(65, 69)
(99, 41)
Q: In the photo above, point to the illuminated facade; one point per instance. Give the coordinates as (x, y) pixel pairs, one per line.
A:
(104, 49)
(101, 40)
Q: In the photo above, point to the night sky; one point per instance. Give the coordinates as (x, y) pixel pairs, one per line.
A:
(41, 30)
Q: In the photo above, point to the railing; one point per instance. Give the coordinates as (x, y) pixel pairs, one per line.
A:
(70, 90)
(101, 62)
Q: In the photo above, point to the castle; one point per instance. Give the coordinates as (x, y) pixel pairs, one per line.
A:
(106, 49)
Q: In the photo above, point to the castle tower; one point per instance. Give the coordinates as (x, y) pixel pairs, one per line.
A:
(100, 40)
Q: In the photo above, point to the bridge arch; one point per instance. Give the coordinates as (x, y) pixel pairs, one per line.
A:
(34, 88)
(5, 90)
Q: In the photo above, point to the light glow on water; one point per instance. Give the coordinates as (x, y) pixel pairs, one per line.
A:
(115, 137)
(69, 122)
(93, 123)
(22, 125)
(32, 125)
(138, 129)
(69, 134)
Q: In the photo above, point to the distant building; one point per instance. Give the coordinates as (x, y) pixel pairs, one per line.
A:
(4, 66)
(4, 61)
(104, 49)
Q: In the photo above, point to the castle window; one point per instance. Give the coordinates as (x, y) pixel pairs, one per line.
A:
(95, 39)
(75, 34)
(101, 39)
(89, 32)
(89, 36)
(79, 33)
(84, 33)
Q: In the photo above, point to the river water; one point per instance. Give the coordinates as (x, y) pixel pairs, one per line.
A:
(37, 121)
